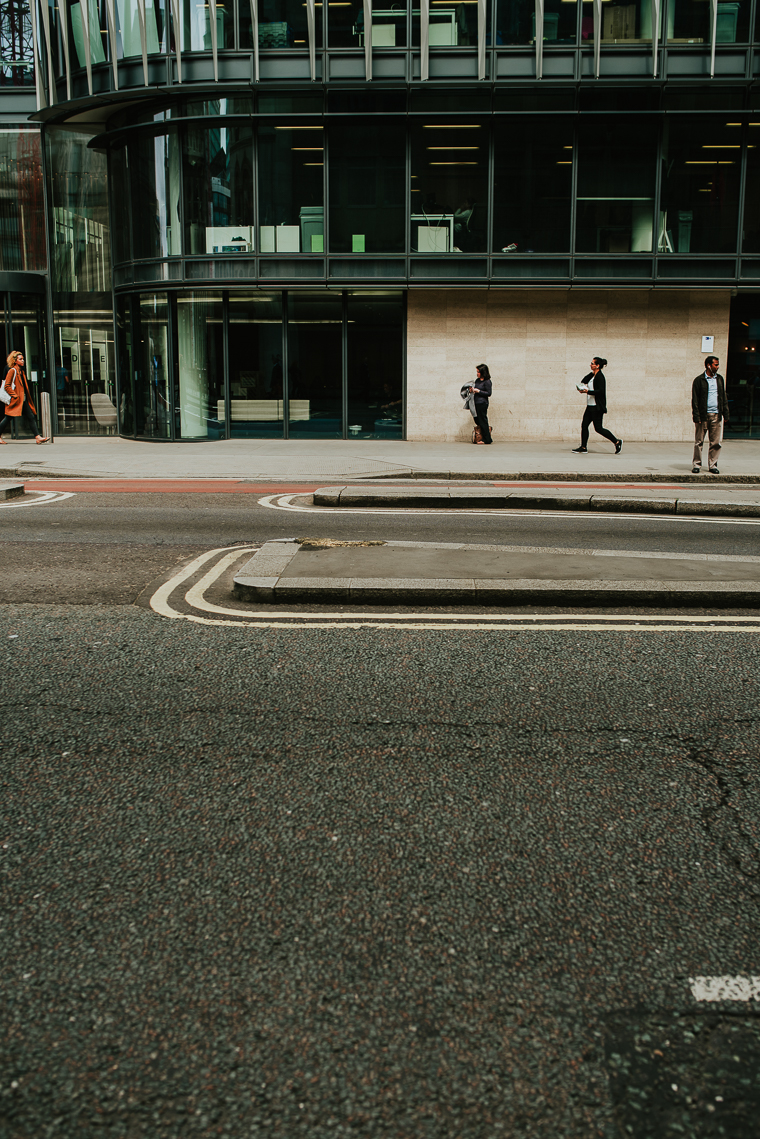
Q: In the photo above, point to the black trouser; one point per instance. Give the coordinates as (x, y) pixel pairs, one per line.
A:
(482, 421)
(29, 419)
(595, 416)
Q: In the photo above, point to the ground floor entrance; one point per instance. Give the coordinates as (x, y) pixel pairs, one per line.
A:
(22, 328)
(206, 364)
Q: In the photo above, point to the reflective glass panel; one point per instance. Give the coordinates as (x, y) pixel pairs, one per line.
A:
(291, 201)
(88, 33)
(124, 348)
(375, 366)
(616, 182)
(152, 366)
(367, 187)
(743, 368)
(17, 62)
(560, 22)
(315, 327)
(118, 170)
(751, 239)
(155, 168)
(516, 23)
(196, 25)
(624, 22)
(22, 218)
(701, 170)
(690, 21)
(218, 189)
(533, 177)
(128, 28)
(282, 23)
(449, 187)
(345, 22)
(453, 23)
(587, 25)
(85, 364)
(199, 395)
(255, 365)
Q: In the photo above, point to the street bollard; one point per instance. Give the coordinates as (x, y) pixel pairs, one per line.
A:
(47, 421)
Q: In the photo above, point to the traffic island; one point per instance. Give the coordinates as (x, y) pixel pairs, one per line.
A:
(394, 573)
(10, 489)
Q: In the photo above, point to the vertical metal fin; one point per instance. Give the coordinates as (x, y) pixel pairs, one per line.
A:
(713, 33)
(63, 10)
(539, 39)
(141, 19)
(481, 39)
(177, 24)
(36, 47)
(367, 7)
(655, 35)
(312, 24)
(255, 20)
(85, 11)
(424, 39)
(48, 50)
(214, 44)
(111, 20)
(597, 37)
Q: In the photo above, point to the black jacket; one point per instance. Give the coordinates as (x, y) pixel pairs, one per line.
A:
(600, 390)
(483, 389)
(699, 398)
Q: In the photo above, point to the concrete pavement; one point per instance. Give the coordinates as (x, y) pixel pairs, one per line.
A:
(325, 459)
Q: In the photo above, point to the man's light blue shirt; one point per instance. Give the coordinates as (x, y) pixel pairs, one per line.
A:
(712, 394)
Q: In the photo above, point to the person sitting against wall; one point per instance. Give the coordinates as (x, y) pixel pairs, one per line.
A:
(17, 387)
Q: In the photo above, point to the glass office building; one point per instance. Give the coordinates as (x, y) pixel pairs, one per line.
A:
(262, 218)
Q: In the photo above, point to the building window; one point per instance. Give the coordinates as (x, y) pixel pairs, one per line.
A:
(255, 365)
(154, 162)
(690, 21)
(751, 238)
(375, 337)
(152, 364)
(218, 189)
(616, 186)
(314, 368)
(533, 178)
(199, 394)
(291, 198)
(701, 170)
(22, 208)
(367, 187)
(449, 191)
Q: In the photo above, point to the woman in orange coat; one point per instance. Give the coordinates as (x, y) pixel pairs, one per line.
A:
(17, 387)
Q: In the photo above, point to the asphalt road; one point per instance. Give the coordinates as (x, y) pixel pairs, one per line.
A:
(365, 882)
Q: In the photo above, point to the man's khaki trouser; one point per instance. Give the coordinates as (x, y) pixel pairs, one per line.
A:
(712, 428)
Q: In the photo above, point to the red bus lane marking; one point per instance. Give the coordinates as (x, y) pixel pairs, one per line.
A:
(166, 486)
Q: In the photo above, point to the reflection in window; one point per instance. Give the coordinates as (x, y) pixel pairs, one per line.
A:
(152, 366)
(291, 200)
(79, 193)
(200, 366)
(255, 365)
(367, 187)
(28, 336)
(449, 188)
(751, 238)
(690, 21)
(624, 22)
(282, 23)
(532, 211)
(118, 173)
(124, 349)
(218, 189)
(196, 25)
(22, 219)
(128, 29)
(516, 23)
(90, 21)
(375, 366)
(701, 165)
(154, 164)
(616, 179)
(16, 46)
(315, 390)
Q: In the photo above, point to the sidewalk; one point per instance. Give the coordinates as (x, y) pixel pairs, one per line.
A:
(448, 573)
(323, 460)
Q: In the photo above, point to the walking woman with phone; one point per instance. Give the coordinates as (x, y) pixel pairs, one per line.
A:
(16, 385)
(594, 387)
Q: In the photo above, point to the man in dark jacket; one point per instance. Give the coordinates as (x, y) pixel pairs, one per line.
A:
(482, 389)
(709, 410)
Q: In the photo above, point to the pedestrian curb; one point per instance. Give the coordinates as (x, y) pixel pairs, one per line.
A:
(10, 490)
(261, 581)
(29, 472)
(570, 476)
(491, 498)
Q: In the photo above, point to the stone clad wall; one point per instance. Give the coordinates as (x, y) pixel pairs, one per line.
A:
(538, 344)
